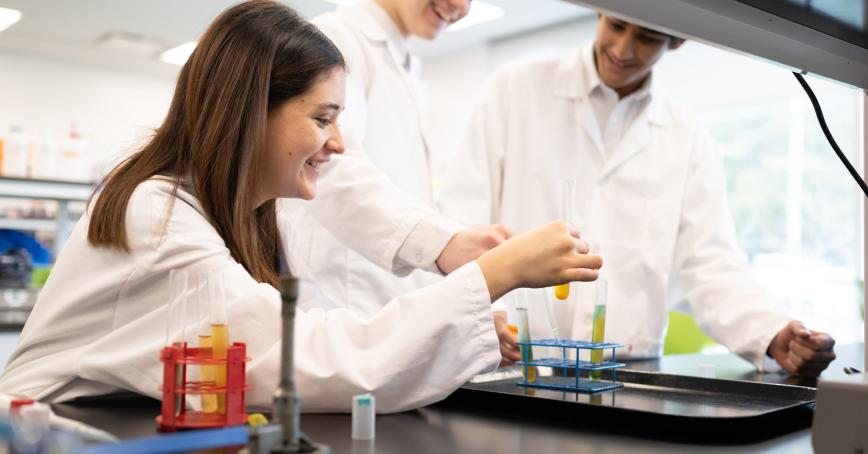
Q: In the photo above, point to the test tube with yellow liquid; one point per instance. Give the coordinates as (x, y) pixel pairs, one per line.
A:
(598, 331)
(203, 312)
(528, 372)
(568, 214)
(219, 333)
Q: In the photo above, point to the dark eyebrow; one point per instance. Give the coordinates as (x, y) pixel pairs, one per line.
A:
(330, 105)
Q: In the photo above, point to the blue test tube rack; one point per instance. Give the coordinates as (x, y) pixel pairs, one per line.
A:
(572, 363)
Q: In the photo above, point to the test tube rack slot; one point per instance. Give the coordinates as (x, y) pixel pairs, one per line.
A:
(175, 359)
(571, 367)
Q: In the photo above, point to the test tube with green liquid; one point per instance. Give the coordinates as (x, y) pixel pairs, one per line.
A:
(598, 330)
(528, 373)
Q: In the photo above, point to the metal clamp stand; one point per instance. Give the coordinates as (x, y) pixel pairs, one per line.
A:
(284, 435)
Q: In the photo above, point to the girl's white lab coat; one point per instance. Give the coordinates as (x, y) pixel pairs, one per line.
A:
(382, 126)
(101, 320)
(656, 206)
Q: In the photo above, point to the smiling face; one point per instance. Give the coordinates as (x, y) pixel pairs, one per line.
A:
(301, 136)
(625, 53)
(425, 18)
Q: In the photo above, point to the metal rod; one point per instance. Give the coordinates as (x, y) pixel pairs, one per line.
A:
(286, 403)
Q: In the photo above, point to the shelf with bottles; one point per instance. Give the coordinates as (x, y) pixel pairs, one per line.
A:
(49, 214)
(38, 167)
(42, 206)
(41, 157)
(31, 188)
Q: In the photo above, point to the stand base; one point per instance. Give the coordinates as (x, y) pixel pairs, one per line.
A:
(265, 440)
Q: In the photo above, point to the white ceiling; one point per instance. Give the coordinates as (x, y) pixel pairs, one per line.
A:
(70, 29)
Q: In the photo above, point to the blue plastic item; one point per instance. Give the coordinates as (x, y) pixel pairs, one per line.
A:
(571, 367)
(12, 239)
(177, 442)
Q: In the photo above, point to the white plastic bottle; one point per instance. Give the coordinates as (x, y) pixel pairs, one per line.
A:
(44, 157)
(73, 159)
(15, 154)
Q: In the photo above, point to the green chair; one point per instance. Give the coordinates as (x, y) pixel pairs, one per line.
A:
(684, 336)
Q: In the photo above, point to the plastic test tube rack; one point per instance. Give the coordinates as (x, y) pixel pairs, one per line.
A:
(177, 357)
(573, 363)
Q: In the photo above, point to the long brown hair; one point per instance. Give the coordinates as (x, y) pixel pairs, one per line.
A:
(253, 57)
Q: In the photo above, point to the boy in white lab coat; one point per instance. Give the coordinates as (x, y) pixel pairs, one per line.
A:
(650, 193)
(387, 145)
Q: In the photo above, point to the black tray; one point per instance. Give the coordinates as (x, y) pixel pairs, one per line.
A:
(656, 405)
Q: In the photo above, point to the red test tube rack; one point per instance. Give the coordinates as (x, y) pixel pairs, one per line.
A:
(176, 358)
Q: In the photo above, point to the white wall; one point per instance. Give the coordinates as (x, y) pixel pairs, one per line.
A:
(114, 110)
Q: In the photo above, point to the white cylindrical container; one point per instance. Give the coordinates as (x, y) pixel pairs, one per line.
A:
(15, 154)
(44, 157)
(364, 417)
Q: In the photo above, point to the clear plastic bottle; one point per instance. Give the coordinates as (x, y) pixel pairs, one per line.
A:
(15, 154)
(44, 157)
(75, 157)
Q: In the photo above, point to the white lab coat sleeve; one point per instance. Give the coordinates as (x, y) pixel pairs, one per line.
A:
(472, 183)
(128, 356)
(417, 350)
(425, 243)
(355, 201)
(712, 271)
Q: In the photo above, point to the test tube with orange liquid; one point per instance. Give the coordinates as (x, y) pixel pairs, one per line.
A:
(568, 214)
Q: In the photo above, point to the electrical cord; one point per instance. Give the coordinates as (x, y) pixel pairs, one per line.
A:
(828, 134)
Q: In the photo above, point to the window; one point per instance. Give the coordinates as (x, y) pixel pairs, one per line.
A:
(795, 207)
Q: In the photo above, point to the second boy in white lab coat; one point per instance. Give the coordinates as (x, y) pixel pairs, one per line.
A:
(651, 193)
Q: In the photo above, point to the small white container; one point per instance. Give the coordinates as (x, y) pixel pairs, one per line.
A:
(364, 417)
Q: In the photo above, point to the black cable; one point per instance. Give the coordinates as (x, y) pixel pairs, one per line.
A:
(828, 134)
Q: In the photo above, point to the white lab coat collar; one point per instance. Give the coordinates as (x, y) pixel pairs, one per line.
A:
(577, 76)
(376, 24)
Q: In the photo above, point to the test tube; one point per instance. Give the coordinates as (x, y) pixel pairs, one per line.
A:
(528, 372)
(568, 214)
(598, 331)
(219, 332)
(203, 323)
(553, 324)
(178, 280)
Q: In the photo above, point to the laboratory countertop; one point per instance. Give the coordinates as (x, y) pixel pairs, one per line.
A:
(456, 428)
